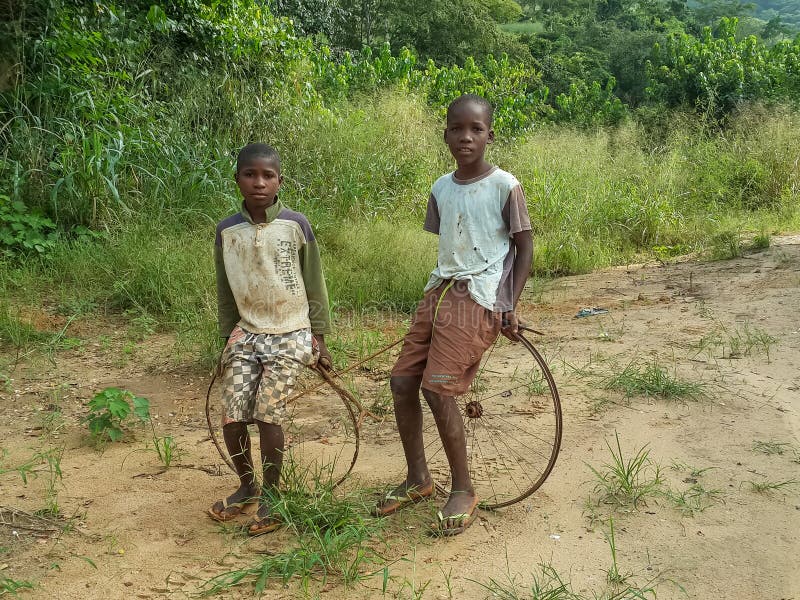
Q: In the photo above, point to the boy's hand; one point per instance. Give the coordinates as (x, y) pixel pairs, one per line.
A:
(510, 325)
(324, 360)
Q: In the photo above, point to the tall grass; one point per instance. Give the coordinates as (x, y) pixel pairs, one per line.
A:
(362, 171)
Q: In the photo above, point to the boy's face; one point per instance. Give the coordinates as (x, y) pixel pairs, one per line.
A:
(467, 133)
(259, 181)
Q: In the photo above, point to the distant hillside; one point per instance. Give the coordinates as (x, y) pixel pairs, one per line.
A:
(787, 10)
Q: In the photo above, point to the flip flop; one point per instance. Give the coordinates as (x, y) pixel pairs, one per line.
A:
(261, 526)
(229, 511)
(465, 519)
(391, 503)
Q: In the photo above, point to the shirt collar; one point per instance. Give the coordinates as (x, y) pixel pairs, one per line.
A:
(271, 212)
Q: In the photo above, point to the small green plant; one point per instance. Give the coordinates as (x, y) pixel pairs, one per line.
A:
(140, 324)
(23, 469)
(109, 409)
(12, 586)
(28, 470)
(652, 380)
(53, 459)
(448, 577)
(627, 481)
(51, 419)
(411, 588)
(23, 231)
(166, 448)
(531, 380)
(613, 576)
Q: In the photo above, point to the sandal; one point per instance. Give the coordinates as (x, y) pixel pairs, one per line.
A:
(261, 526)
(464, 520)
(229, 511)
(392, 502)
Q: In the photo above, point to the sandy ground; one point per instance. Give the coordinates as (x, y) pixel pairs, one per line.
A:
(140, 531)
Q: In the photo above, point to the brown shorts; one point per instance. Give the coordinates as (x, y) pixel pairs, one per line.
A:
(447, 353)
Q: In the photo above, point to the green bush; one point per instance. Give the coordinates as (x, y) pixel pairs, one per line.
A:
(22, 231)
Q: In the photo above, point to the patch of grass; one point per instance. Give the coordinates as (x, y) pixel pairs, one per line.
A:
(770, 448)
(764, 487)
(725, 245)
(627, 481)
(16, 332)
(549, 584)
(334, 537)
(532, 380)
(694, 499)
(12, 586)
(352, 344)
(51, 417)
(761, 241)
(745, 340)
(27, 469)
(651, 379)
(693, 471)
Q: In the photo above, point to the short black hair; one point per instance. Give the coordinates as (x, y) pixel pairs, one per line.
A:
(257, 150)
(479, 100)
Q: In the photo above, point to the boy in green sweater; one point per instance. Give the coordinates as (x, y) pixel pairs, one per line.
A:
(274, 313)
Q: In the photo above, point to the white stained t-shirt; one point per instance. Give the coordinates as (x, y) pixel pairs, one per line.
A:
(476, 220)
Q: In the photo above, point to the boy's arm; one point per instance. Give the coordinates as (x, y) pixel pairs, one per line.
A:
(515, 214)
(523, 259)
(317, 294)
(227, 311)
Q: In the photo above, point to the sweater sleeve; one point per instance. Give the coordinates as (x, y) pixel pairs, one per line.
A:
(227, 311)
(316, 291)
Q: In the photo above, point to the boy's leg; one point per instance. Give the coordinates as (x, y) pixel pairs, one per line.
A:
(462, 333)
(237, 441)
(408, 415)
(405, 384)
(240, 382)
(272, 444)
(283, 356)
(451, 430)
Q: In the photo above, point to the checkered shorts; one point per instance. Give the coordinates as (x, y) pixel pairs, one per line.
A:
(260, 371)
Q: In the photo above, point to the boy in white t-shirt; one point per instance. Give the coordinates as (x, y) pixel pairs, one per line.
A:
(484, 259)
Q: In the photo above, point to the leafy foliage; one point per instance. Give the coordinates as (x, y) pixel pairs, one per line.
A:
(110, 408)
(22, 231)
(717, 72)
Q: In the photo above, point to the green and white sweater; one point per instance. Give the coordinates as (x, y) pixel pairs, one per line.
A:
(269, 275)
